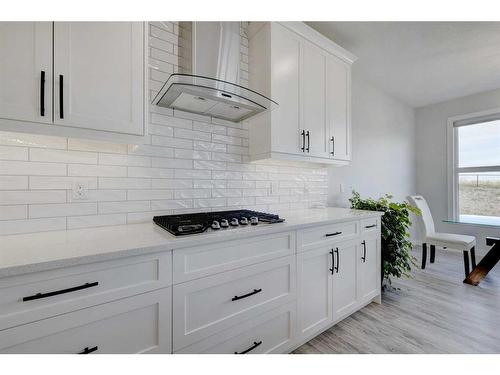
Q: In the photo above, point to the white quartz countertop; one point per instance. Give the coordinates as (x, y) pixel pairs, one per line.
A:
(25, 253)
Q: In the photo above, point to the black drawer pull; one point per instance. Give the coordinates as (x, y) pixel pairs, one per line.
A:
(338, 260)
(303, 134)
(332, 234)
(57, 292)
(333, 146)
(88, 350)
(333, 262)
(255, 291)
(255, 344)
(364, 251)
(61, 96)
(308, 140)
(371, 226)
(42, 93)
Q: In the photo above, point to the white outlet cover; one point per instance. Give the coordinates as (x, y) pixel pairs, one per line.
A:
(80, 190)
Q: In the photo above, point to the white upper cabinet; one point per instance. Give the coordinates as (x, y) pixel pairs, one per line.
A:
(99, 76)
(26, 71)
(94, 79)
(309, 77)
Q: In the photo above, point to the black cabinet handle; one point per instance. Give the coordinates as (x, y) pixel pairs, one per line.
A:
(371, 226)
(303, 134)
(364, 251)
(57, 292)
(308, 140)
(337, 264)
(332, 234)
(42, 93)
(255, 344)
(255, 291)
(61, 95)
(333, 262)
(333, 145)
(88, 350)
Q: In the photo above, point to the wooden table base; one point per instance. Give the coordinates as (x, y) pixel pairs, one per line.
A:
(486, 264)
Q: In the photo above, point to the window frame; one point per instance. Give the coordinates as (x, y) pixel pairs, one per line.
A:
(453, 170)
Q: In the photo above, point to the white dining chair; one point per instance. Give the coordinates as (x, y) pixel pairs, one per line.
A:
(448, 241)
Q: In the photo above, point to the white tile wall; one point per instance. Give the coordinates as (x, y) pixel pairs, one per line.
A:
(191, 163)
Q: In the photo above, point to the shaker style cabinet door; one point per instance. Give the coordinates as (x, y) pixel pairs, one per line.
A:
(313, 99)
(314, 290)
(99, 76)
(338, 108)
(285, 88)
(344, 279)
(368, 268)
(26, 71)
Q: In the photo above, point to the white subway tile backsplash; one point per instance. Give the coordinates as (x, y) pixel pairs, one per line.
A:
(188, 163)
(32, 140)
(150, 172)
(96, 221)
(62, 209)
(27, 168)
(13, 182)
(96, 170)
(59, 183)
(10, 197)
(13, 153)
(15, 212)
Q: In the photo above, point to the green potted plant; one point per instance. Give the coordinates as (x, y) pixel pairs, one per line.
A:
(396, 246)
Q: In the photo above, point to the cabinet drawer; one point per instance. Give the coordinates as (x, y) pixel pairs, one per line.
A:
(207, 260)
(311, 238)
(271, 332)
(207, 306)
(370, 225)
(139, 324)
(31, 297)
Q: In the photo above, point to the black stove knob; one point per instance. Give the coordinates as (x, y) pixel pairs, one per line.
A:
(234, 222)
(224, 223)
(254, 220)
(215, 225)
(244, 221)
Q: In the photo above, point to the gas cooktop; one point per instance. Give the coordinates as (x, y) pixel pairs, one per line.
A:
(184, 224)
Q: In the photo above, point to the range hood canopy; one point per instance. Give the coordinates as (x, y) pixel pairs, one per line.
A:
(210, 64)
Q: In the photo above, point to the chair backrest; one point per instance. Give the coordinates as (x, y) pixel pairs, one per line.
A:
(425, 219)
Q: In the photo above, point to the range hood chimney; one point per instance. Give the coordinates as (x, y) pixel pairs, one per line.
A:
(209, 74)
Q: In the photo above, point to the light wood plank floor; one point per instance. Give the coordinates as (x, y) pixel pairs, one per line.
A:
(432, 313)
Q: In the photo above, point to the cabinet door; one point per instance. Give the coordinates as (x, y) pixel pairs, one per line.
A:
(314, 290)
(99, 76)
(285, 88)
(344, 279)
(25, 56)
(313, 112)
(368, 268)
(338, 82)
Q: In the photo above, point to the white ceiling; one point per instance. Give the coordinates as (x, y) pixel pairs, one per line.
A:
(422, 62)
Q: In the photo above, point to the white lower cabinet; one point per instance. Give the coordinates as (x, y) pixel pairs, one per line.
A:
(344, 279)
(271, 332)
(139, 324)
(314, 290)
(369, 268)
(209, 305)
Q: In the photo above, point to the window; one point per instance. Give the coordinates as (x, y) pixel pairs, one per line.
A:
(476, 170)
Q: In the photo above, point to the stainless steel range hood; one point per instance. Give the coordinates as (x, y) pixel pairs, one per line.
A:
(208, 82)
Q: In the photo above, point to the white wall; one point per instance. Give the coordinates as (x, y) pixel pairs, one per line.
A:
(383, 142)
(432, 157)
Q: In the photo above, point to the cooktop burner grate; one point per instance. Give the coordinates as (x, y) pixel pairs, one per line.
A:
(185, 224)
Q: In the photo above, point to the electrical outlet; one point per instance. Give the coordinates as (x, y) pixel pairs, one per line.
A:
(342, 190)
(80, 190)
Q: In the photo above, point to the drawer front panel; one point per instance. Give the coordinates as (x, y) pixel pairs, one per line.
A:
(37, 296)
(139, 324)
(206, 306)
(271, 332)
(311, 238)
(203, 261)
(370, 225)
